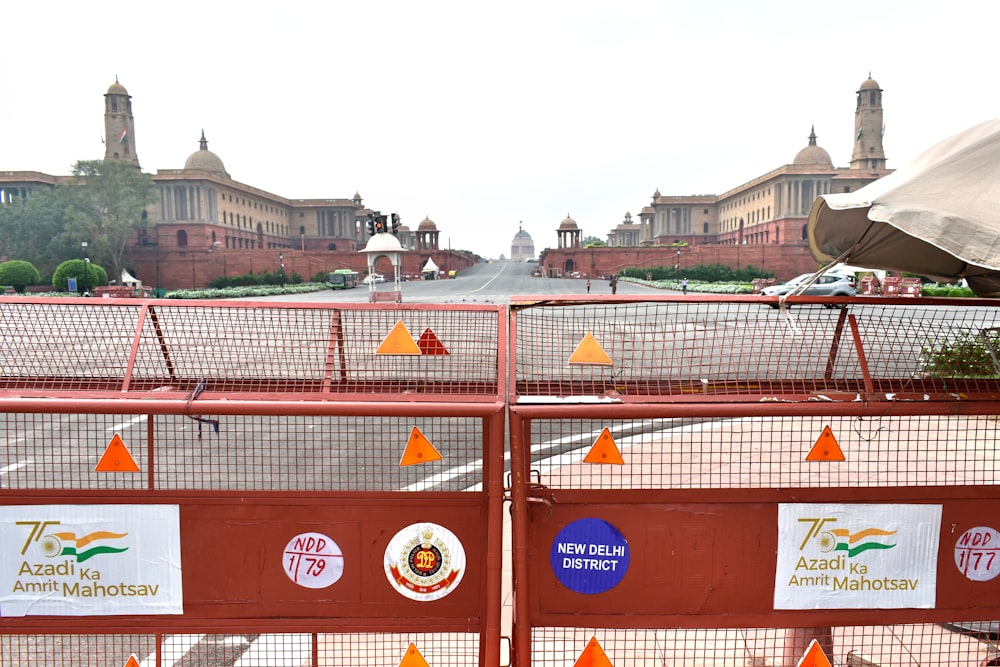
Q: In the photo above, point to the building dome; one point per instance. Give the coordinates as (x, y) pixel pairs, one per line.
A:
(205, 160)
(522, 247)
(117, 88)
(870, 84)
(427, 225)
(813, 154)
(568, 223)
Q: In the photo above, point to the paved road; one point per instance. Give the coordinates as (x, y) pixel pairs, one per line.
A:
(494, 282)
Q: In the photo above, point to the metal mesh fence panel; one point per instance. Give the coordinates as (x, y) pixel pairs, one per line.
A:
(697, 351)
(770, 452)
(852, 646)
(173, 347)
(239, 452)
(239, 649)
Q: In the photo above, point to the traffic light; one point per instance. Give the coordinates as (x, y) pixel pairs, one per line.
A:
(379, 223)
(395, 223)
(371, 224)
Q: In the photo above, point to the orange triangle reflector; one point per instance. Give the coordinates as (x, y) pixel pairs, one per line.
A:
(413, 658)
(431, 344)
(116, 458)
(399, 341)
(814, 656)
(604, 450)
(826, 448)
(593, 656)
(589, 351)
(132, 661)
(418, 450)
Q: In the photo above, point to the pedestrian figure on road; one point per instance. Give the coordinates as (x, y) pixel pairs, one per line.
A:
(684, 286)
(614, 283)
(588, 286)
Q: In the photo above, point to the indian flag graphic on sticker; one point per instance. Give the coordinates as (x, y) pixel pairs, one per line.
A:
(841, 539)
(83, 548)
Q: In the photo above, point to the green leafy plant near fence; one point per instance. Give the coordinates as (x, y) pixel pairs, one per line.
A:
(967, 355)
(256, 279)
(951, 291)
(709, 273)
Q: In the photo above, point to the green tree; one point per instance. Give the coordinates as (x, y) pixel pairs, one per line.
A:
(32, 228)
(19, 274)
(106, 208)
(593, 242)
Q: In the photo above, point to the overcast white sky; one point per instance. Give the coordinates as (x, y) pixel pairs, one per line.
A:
(484, 115)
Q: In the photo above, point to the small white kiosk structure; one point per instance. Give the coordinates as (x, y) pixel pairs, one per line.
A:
(430, 270)
(384, 243)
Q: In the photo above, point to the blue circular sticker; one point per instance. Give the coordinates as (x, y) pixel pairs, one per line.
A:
(589, 556)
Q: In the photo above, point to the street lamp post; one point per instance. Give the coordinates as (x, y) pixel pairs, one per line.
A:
(739, 242)
(83, 251)
(281, 259)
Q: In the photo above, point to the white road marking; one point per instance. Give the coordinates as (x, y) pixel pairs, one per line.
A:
(285, 650)
(128, 424)
(14, 466)
(174, 648)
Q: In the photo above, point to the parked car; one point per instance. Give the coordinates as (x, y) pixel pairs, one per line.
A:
(374, 278)
(829, 284)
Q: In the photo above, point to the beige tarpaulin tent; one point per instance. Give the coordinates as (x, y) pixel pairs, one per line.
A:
(129, 280)
(430, 268)
(937, 217)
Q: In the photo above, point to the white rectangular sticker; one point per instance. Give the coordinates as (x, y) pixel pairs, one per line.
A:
(840, 556)
(90, 560)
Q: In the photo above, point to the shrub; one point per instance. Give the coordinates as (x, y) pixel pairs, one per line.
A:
(709, 273)
(74, 268)
(254, 279)
(967, 355)
(19, 274)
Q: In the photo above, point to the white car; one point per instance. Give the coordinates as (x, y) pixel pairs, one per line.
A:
(827, 285)
(374, 278)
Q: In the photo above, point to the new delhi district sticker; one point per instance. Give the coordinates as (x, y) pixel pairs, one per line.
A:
(424, 562)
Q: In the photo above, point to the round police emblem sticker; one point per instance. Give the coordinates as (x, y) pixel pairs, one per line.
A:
(590, 556)
(424, 562)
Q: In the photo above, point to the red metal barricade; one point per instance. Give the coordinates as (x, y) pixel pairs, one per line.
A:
(223, 483)
(718, 483)
(704, 481)
(891, 285)
(869, 285)
(911, 287)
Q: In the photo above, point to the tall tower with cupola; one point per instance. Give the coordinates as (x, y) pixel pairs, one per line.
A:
(869, 126)
(119, 125)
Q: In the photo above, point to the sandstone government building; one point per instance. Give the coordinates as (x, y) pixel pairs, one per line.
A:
(205, 224)
(760, 223)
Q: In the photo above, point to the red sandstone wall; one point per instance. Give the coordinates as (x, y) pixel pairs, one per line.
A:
(785, 261)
